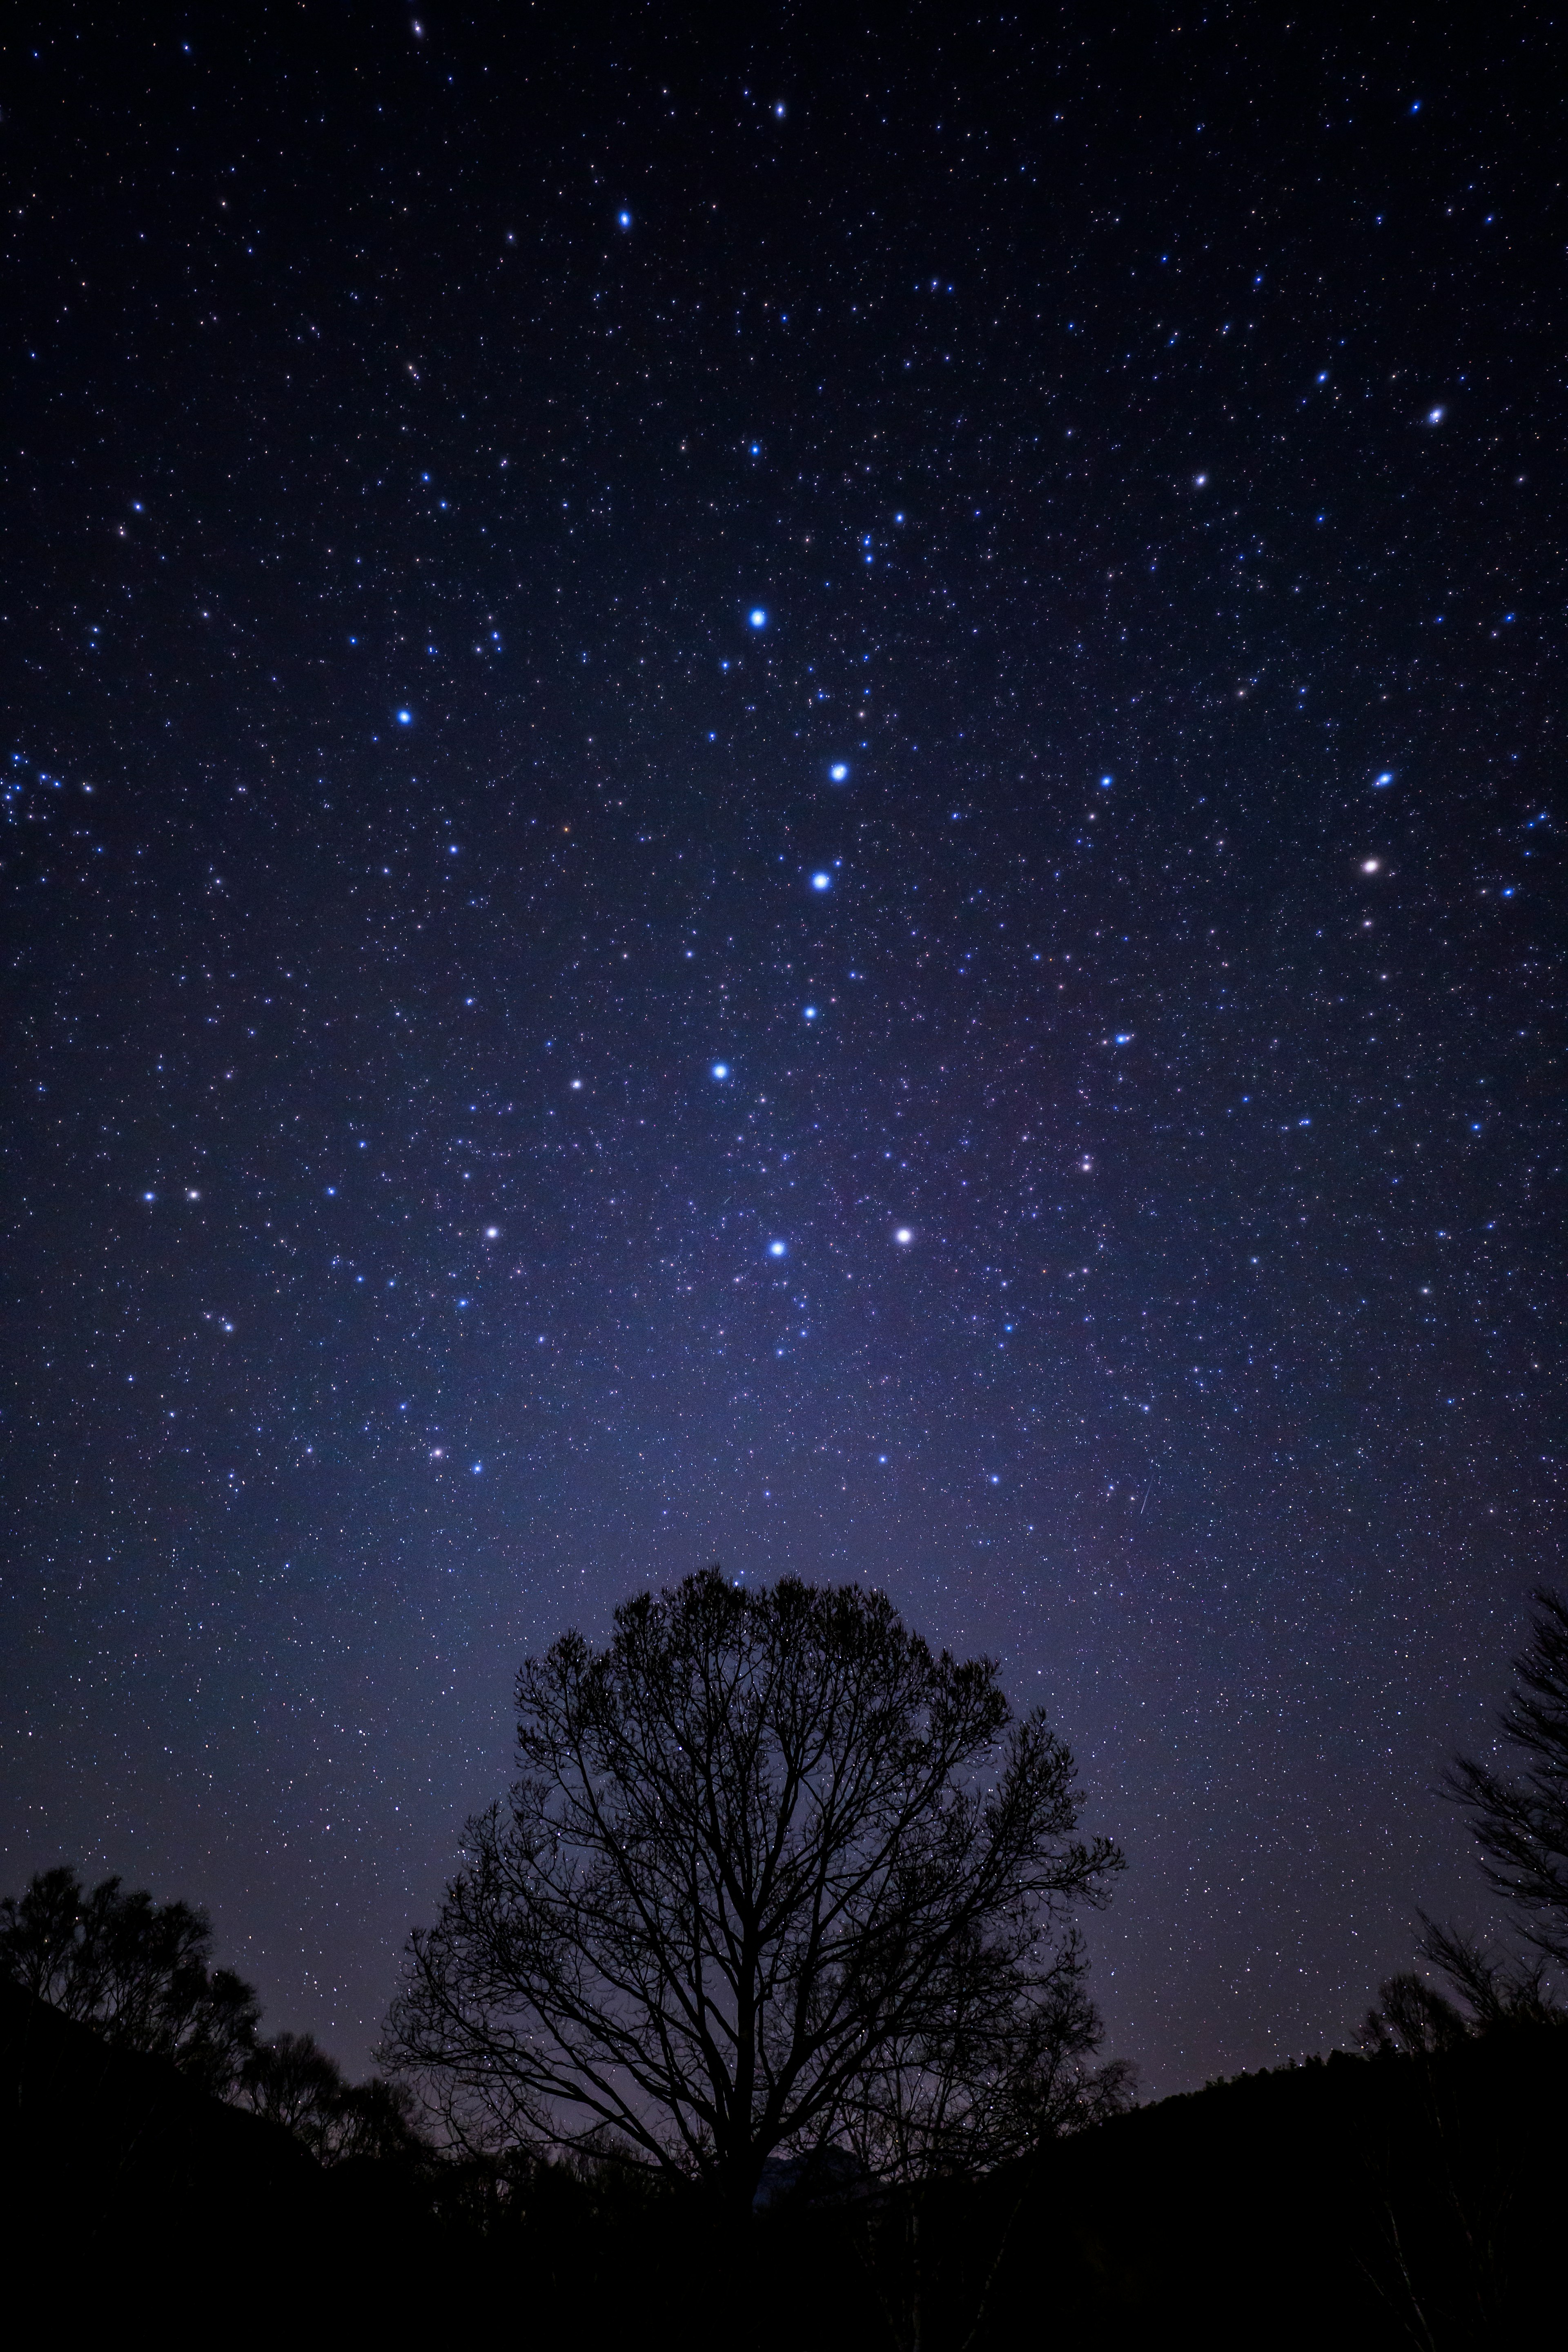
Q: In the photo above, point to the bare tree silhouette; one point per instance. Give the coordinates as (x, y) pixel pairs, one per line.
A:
(774, 1877)
(1521, 1822)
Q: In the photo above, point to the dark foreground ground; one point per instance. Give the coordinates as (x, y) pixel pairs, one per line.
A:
(1386, 2202)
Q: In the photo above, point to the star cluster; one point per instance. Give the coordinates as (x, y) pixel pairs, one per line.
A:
(789, 803)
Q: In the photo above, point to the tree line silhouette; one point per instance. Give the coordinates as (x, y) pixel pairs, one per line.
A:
(767, 1976)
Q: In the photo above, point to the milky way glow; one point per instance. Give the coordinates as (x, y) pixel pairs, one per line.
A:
(674, 893)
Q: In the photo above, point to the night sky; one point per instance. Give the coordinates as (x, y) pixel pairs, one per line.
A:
(781, 790)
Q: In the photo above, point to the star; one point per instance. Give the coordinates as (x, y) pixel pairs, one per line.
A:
(258, 965)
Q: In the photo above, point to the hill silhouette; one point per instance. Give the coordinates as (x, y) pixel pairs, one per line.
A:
(1379, 2201)
(116, 2147)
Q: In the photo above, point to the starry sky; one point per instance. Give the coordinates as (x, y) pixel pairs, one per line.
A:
(780, 789)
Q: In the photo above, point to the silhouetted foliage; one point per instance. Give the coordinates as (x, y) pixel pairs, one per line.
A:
(1412, 2016)
(1007, 2070)
(774, 1877)
(1521, 1824)
(292, 2081)
(137, 1971)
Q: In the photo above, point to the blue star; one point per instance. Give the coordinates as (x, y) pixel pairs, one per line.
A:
(821, 881)
(720, 1069)
(406, 719)
(839, 772)
(758, 617)
(777, 1249)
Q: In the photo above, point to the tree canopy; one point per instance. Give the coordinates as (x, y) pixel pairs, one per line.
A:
(138, 1971)
(295, 2082)
(774, 1877)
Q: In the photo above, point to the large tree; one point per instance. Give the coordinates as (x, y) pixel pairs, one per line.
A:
(1520, 1820)
(139, 1971)
(774, 1877)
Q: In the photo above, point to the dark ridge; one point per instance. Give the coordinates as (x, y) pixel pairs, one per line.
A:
(1376, 2202)
(119, 2145)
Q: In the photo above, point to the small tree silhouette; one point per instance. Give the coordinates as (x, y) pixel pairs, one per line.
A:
(293, 2082)
(1521, 1824)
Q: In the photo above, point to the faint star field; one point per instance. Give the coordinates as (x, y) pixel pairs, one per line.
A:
(810, 829)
